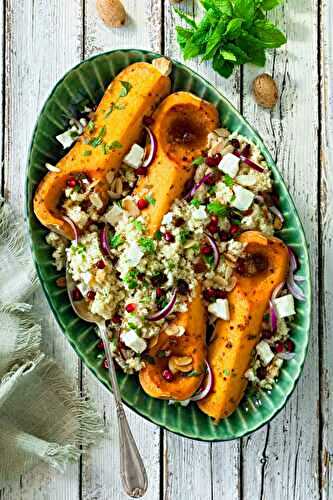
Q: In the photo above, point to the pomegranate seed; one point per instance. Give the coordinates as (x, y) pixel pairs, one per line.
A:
(179, 222)
(206, 250)
(246, 150)
(211, 180)
(167, 375)
(106, 363)
(199, 267)
(224, 236)
(147, 120)
(168, 236)
(275, 199)
(142, 171)
(76, 294)
(214, 219)
(116, 319)
(130, 308)
(233, 229)
(100, 264)
(289, 345)
(213, 161)
(71, 182)
(220, 294)
(159, 292)
(91, 295)
(235, 143)
(142, 204)
(182, 287)
(100, 346)
(266, 334)
(279, 347)
(208, 293)
(212, 227)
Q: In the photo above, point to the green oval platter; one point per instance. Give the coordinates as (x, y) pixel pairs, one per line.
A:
(88, 80)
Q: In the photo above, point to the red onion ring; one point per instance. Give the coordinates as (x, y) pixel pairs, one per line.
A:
(195, 188)
(203, 391)
(248, 162)
(293, 260)
(273, 317)
(153, 147)
(294, 289)
(215, 249)
(104, 241)
(73, 227)
(287, 356)
(163, 313)
(276, 212)
(277, 290)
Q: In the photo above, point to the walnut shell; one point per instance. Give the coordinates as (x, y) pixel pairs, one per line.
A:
(111, 12)
(265, 90)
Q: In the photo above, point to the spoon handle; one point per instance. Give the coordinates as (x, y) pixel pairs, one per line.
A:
(132, 469)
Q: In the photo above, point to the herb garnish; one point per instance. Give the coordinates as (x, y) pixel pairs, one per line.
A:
(195, 202)
(97, 141)
(147, 245)
(215, 207)
(228, 181)
(231, 32)
(198, 161)
(150, 199)
(116, 240)
(87, 152)
(126, 87)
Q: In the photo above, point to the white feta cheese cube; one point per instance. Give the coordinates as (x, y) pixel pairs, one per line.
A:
(114, 215)
(133, 254)
(284, 306)
(264, 352)
(96, 200)
(134, 157)
(67, 138)
(243, 198)
(132, 340)
(167, 219)
(199, 213)
(220, 308)
(229, 164)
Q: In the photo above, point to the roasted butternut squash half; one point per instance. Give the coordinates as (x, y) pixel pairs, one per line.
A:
(229, 354)
(131, 96)
(188, 349)
(181, 125)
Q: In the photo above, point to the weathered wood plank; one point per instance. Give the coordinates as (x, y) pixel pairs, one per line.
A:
(326, 244)
(100, 467)
(281, 460)
(2, 64)
(199, 470)
(42, 42)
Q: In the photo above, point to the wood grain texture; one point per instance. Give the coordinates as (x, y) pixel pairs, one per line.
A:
(100, 466)
(197, 470)
(326, 255)
(42, 42)
(281, 460)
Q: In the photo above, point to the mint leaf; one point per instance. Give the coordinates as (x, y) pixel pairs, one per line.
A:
(215, 40)
(116, 240)
(245, 9)
(183, 35)
(228, 181)
(270, 4)
(268, 34)
(126, 87)
(185, 17)
(139, 226)
(234, 28)
(224, 6)
(224, 68)
(215, 207)
(228, 55)
(147, 245)
(195, 202)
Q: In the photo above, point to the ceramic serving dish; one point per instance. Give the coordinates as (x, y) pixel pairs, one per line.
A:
(88, 80)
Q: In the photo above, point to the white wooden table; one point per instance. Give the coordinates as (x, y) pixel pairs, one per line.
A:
(291, 458)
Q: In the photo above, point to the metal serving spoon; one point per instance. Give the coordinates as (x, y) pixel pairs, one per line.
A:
(132, 470)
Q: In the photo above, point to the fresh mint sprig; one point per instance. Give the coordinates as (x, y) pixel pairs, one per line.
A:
(231, 32)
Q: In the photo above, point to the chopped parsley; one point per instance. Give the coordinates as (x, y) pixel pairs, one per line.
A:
(209, 259)
(195, 202)
(184, 235)
(192, 373)
(125, 88)
(158, 235)
(139, 226)
(97, 141)
(147, 245)
(171, 265)
(228, 181)
(91, 125)
(226, 372)
(212, 189)
(87, 152)
(131, 282)
(108, 147)
(215, 207)
(114, 106)
(198, 161)
(116, 240)
(150, 199)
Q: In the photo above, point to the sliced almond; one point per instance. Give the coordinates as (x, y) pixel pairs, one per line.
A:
(110, 176)
(182, 360)
(52, 168)
(175, 331)
(185, 369)
(232, 284)
(172, 366)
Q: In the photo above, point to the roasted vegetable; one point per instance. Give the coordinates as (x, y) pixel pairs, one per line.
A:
(181, 125)
(117, 124)
(229, 354)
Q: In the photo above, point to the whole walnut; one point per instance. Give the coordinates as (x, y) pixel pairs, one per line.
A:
(111, 12)
(265, 90)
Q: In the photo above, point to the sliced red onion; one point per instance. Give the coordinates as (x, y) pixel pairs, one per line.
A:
(152, 149)
(259, 198)
(287, 356)
(216, 251)
(294, 289)
(203, 391)
(248, 162)
(195, 188)
(277, 290)
(276, 212)
(163, 313)
(104, 241)
(293, 260)
(73, 227)
(273, 317)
